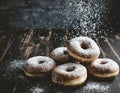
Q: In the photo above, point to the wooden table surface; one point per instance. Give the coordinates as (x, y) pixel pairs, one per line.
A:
(16, 47)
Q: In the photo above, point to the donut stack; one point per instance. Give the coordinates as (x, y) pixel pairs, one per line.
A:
(64, 63)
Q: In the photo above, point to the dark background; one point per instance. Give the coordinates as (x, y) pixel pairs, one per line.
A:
(55, 14)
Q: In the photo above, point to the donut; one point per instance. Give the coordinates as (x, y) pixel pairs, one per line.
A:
(103, 68)
(69, 74)
(60, 54)
(39, 66)
(83, 49)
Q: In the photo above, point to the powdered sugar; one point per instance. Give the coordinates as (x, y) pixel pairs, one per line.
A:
(85, 17)
(16, 64)
(13, 69)
(96, 87)
(36, 89)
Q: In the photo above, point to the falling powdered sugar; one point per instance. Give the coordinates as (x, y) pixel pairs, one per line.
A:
(88, 16)
(84, 17)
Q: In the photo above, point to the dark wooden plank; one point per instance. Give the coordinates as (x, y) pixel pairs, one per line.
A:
(7, 46)
(103, 54)
(112, 51)
(106, 47)
(115, 43)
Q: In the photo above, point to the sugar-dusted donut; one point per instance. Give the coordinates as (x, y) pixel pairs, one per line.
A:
(69, 74)
(83, 49)
(39, 66)
(60, 54)
(103, 68)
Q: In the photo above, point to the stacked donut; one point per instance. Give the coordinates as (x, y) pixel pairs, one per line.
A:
(80, 50)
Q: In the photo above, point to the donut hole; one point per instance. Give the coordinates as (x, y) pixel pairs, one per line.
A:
(103, 62)
(69, 69)
(84, 45)
(65, 52)
(40, 62)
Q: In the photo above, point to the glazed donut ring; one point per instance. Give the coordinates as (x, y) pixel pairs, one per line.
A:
(39, 66)
(103, 68)
(69, 74)
(60, 54)
(83, 49)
